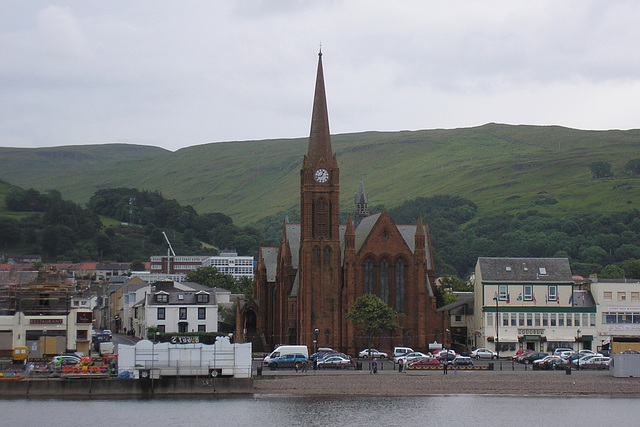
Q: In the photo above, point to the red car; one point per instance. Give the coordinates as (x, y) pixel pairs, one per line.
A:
(425, 361)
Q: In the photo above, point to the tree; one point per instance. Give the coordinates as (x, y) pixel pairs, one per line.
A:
(372, 315)
(209, 276)
(612, 271)
(633, 166)
(601, 169)
(136, 266)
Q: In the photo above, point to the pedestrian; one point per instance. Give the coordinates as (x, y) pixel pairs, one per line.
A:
(445, 366)
(374, 366)
(400, 366)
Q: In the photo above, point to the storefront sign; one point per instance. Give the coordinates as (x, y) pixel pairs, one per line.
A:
(45, 321)
(530, 331)
(184, 340)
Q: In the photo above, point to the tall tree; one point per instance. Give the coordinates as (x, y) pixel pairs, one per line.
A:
(372, 315)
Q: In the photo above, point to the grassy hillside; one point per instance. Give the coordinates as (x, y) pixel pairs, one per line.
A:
(501, 168)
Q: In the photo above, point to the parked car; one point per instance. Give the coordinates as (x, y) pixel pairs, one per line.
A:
(424, 361)
(550, 362)
(400, 352)
(297, 361)
(322, 351)
(530, 357)
(597, 362)
(462, 361)
(520, 353)
(64, 360)
(484, 353)
(108, 332)
(373, 352)
(411, 357)
(446, 355)
(336, 362)
(559, 350)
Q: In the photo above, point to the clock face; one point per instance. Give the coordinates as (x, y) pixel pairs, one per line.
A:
(322, 175)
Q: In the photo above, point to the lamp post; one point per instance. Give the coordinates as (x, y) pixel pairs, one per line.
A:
(495, 298)
(578, 332)
(316, 331)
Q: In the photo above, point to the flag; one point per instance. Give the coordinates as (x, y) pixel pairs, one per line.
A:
(508, 298)
(545, 299)
(520, 297)
(571, 299)
(534, 299)
(557, 300)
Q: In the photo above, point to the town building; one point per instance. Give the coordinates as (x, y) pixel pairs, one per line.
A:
(618, 319)
(46, 315)
(530, 303)
(228, 262)
(305, 287)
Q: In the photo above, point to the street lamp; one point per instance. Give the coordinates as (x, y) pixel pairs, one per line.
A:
(495, 298)
(316, 331)
(578, 332)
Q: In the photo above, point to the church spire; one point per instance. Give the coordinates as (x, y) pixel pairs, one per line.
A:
(320, 139)
(361, 199)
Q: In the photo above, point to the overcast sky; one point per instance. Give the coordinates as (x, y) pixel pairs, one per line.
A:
(181, 73)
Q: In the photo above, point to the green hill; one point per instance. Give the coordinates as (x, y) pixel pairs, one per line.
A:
(501, 168)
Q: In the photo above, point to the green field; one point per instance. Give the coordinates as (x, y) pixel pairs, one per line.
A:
(501, 168)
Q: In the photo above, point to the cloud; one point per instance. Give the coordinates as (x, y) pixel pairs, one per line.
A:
(178, 74)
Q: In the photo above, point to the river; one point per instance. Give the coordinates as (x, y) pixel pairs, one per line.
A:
(266, 410)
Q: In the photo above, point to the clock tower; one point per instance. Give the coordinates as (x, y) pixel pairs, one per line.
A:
(319, 281)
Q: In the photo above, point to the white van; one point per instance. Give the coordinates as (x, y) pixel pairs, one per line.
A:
(286, 349)
(400, 351)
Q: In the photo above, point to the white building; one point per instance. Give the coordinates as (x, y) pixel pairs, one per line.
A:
(618, 319)
(229, 263)
(530, 303)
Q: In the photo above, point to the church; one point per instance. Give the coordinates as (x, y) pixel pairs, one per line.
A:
(305, 287)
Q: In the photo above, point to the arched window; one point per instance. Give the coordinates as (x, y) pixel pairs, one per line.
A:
(368, 277)
(316, 255)
(384, 281)
(327, 255)
(400, 268)
(322, 215)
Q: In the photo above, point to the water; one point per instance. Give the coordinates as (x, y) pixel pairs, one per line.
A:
(467, 410)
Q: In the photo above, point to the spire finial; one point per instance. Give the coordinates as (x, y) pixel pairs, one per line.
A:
(320, 51)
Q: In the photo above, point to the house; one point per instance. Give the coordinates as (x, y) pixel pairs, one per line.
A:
(458, 323)
(530, 303)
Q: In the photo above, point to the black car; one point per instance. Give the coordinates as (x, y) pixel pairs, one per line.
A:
(529, 358)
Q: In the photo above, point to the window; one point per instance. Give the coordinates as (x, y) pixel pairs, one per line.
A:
(528, 292)
(592, 319)
(457, 318)
(327, 255)
(490, 319)
(553, 293)
(202, 328)
(202, 298)
(608, 295)
(182, 314)
(552, 320)
(161, 313)
(537, 319)
(384, 281)
(126, 300)
(202, 313)
(521, 319)
(577, 320)
(162, 298)
(316, 255)
(321, 227)
(505, 319)
(529, 319)
(183, 327)
(82, 335)
(635, 296)
(400, 286)
(368, 277)
(513, 319)
(161, 329)
(560, 319)
(543, 271)
(569, 319)
(502, 292)
(622, 296)
(545, 319)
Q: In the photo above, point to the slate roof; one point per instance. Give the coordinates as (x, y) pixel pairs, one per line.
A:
(270, 257)
(525, 270)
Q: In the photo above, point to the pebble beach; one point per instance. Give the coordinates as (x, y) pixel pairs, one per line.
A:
(429, 383)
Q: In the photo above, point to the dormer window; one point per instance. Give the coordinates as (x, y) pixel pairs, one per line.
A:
(162, 298)
(202, 298)
(180, 297)
(543, 271)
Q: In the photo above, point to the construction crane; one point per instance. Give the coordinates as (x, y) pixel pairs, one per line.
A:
(170, 252)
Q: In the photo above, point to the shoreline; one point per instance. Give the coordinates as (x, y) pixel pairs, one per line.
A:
(414, 384)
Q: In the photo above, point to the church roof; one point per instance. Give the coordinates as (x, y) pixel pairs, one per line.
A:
(293, 237)
(270, 257)
(319, 138)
